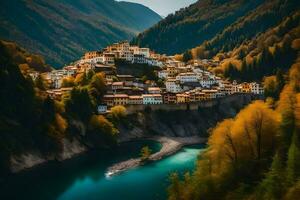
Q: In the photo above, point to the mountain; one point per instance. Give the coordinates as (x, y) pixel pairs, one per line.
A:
(191, 26)
(268, 15)
(223, 23)
(62, 30)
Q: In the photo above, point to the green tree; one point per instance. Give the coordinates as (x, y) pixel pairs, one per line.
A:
(79, 104)
(187, 56)
(272, 186)
(293, 162)
(97, 87)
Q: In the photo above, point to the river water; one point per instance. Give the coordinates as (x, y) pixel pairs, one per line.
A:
(83, 177)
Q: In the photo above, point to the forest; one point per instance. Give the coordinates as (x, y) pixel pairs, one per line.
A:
(32, 121)
(254, 155)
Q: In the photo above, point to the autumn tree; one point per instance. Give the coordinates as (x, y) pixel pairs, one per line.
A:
(145, 153)
(68, 82)
(101, 131)
(97, 87)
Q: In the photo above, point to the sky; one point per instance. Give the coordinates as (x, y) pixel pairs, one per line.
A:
(164, 7)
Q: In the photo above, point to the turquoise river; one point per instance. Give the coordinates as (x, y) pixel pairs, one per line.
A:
(83, 177)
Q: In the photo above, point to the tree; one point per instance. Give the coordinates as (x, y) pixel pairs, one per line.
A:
(79, 104)
(272, 186)
(175, 189)
(293, 162)
(187, 56)
(81, 79)
(40, 82)
(118, 112)
(97, 87)
(101, 131)
(145, 153)
(68, 82)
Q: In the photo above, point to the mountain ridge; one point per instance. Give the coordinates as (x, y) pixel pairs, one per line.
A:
(62, 30)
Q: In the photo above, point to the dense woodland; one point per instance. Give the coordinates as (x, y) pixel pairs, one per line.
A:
(31, 121)
(193, 25)
(227, 34)
(252, 156)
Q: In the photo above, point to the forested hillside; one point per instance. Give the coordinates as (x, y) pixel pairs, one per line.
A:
(30, 121)
(252, 156)
(264, 55)
(217, 26)
(62, 30)
(191, 26)
(26, 61)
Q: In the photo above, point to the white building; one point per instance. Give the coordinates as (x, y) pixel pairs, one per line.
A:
(152, 99)
(173, 86)
(140, 59)
(207, 81)
(256, 88)
(102, 109)
(154, 90)
(188, 77)
(108, 58)
(162, 74)
(99, 59)
(140, 51)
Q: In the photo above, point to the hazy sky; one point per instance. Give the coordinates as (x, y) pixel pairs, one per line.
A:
(164, 7)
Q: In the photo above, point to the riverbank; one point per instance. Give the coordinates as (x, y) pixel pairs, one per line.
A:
(170, 145)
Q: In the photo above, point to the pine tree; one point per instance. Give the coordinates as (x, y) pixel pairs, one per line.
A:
(293, 162)
(272, 186)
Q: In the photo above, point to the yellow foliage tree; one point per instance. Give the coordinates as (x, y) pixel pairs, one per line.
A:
(118, 112)
(250, 136)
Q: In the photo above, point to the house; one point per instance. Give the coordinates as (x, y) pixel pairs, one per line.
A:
(139, 59)
(58, 93)
(162, 74)
(196, 96)
(169, 98)
(255, 88)
(108, 58)
(108, 100)
(154, 90)
(175, 63)
(102, 109)
(188, 77)
(135, 100)
(152, 99)
(207, 81)
(173, 86)
(92, 54)
(140, 51)
(172, 71)
(121, 99)
(117, 85)
(210, 94)
(127, 79)
(246, 87)
(183, 98)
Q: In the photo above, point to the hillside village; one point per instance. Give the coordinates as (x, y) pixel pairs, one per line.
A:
(182, 82)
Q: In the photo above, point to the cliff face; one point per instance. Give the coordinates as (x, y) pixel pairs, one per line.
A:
(167, 120)
(195, 119)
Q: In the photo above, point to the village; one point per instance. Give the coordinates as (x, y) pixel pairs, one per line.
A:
(181, 82)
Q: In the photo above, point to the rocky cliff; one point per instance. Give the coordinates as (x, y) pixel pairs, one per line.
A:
(167, 120)
(182, 120)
